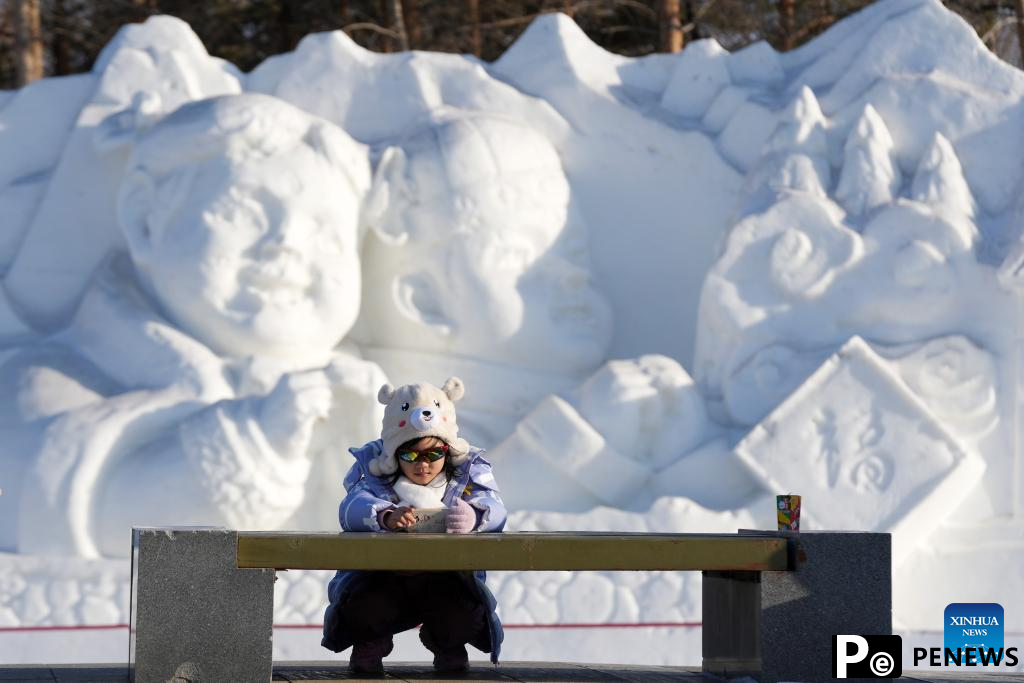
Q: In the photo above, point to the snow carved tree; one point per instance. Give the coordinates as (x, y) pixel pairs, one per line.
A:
(803, 133)
(939, 180)
(869, 177)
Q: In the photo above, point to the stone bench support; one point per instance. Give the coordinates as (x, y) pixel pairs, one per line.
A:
(778, 626)
(194, 615)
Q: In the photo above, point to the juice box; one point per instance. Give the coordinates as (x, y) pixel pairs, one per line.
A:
(788, 509)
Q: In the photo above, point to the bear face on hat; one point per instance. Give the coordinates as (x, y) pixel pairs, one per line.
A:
(413, 411)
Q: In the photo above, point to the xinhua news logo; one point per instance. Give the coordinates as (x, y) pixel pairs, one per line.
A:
(975, 628)
(867, 656)
(972, 636)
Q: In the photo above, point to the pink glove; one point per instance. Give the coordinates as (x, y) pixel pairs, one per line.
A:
(461, 517)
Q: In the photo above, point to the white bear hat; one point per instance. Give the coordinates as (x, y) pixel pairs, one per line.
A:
(413, 411)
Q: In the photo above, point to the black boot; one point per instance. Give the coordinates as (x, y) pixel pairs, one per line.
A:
(367, 656)
(453, 659)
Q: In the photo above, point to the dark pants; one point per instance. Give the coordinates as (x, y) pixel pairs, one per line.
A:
(385, 603)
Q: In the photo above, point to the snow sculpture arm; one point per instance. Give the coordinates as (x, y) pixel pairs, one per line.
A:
(647, 409)
(250, 456)
(289, 412)
(230, 463)
(162, 458)
(571, 446)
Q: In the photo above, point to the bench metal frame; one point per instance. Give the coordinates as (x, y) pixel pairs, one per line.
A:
(202, 599)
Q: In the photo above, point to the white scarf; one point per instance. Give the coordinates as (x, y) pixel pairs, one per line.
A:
(421, 496)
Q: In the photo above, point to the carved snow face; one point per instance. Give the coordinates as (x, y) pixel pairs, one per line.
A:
(254, 253)
(492, 268)
(262, 256)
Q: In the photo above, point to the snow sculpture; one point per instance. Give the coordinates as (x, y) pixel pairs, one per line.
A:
(27, 158)
(477, 265)
(869, 177)
(712, 476)
(187, 388)
(784, 260)
(795, 157)
(765, 379)
(758, 64)
(630, 420)
(743, 138)
(920, 262)
(386, 95)
(855, 436)
(796, 280)
(802, 128)
(723, 108)
(162, 60)
(957, 380)
(698, 77)
(939, 180)
(647, 408)
(803, 269)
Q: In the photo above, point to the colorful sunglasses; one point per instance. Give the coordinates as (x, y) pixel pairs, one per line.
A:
(433, 455)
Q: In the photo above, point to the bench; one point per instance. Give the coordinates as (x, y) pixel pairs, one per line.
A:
(202, 598)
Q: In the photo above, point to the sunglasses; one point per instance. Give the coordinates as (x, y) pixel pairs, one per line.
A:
(433, 455)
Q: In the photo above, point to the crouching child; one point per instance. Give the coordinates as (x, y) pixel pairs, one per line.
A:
(418, 463)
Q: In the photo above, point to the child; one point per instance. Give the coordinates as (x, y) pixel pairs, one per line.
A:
(419, 462)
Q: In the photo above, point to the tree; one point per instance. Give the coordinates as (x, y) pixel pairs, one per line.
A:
(410, 11)
(787, 23)
(397, 17)
(57, 37)
(670, 27)
(1020, 30)
(28, 41)
(474, 27)
(59, 45)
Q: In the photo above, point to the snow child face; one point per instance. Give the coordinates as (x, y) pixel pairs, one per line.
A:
(481, 253)
(241, 216)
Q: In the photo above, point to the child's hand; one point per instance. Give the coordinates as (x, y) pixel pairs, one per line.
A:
(400, 518)
(461, 517)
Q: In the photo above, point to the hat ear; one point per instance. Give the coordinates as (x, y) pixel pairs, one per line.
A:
(386, 393)
(454, 388)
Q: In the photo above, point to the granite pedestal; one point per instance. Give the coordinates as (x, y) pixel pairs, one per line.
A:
(195, 616)
(778, 625)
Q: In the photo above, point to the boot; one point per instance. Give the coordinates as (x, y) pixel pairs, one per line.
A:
(367, 657)
(446, 660)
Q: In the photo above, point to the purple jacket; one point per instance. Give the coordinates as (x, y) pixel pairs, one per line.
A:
(367, 495)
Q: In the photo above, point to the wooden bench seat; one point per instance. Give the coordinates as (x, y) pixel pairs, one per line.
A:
(512, 551)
